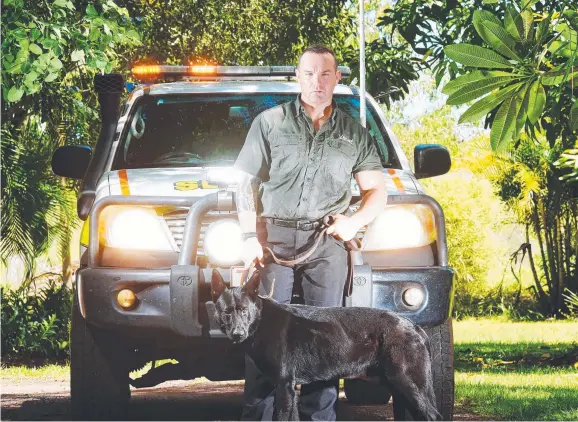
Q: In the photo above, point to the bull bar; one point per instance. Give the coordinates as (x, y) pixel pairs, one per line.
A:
(169, 298)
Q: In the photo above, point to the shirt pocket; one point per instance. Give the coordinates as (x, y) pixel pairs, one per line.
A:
(285, 153)
(340, 156)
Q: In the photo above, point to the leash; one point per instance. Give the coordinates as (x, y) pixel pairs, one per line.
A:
(351, 245)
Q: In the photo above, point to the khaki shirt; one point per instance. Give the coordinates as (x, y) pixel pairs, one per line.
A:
(305, 175)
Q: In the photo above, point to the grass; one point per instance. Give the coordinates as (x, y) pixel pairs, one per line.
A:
(504, 370)
(517, 371)
(52, 371)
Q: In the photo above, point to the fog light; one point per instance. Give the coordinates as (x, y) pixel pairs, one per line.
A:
(126, 298)
(413, 297)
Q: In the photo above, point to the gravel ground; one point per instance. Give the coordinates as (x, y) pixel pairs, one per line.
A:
(49, 399)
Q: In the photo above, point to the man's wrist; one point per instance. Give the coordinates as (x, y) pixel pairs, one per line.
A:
(248, 235)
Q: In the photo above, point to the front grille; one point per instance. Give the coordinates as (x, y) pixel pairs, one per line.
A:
(176, 221)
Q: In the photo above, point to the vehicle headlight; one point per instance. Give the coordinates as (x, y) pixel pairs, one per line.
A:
(135, 228)
(399, 227)
(223, 242)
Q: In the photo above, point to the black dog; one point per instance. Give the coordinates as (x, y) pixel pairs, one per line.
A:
(297, 344)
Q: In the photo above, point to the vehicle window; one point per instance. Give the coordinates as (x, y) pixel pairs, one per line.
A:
(198, 130)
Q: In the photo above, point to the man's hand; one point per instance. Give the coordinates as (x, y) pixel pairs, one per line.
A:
(343, 227)
(252, 250)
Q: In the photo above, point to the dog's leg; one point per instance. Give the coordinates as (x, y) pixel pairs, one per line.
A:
(411, 394)
(286, 402)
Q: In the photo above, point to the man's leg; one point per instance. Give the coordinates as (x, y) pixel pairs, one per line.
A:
(259, 393)
(323, 279)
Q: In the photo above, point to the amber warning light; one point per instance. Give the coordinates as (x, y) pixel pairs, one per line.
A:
(154, 71)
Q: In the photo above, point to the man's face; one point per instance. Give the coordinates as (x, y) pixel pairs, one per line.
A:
(317, 77)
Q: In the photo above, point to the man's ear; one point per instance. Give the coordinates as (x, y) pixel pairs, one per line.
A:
(217, 285)
(252, 285)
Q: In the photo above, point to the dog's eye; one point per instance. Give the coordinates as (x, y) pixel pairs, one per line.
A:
(245, 311)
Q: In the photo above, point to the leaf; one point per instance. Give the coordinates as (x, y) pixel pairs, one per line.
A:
(487, 104)
(574, 116)
(135, 36)
(495, 36)
(504, 124)
(491, 1)
(484, 15)
(513, 23)
(35, 34)
(523, 99)
(101, 64)
(51, 77)
(542, 30)
(56, 63)
(536, 101)
(59, 3)
(14, 94)
(77, 55)
(460, 82)
(528, 24)
(91, 11)
(476, 89)
(558, 77)
(475, 56)
(35, 48)
(30, 78)
(561, 49)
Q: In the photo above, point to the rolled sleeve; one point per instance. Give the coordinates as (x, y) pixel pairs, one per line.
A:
(255, 156)
(368, 158)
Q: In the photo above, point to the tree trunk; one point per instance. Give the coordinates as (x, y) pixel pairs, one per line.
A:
(542, 297)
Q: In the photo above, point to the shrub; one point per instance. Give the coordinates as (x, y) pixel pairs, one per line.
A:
(36, 325)
(476, 222)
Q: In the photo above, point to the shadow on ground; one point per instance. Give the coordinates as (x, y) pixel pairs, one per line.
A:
(199, 401)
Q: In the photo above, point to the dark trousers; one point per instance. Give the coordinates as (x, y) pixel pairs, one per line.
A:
(320, 280)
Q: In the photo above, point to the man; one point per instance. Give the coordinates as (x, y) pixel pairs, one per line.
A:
(296, 166)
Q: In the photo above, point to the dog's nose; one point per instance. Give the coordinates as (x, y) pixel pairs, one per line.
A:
(237, 335)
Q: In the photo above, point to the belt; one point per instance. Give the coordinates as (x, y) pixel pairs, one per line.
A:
(293, 224)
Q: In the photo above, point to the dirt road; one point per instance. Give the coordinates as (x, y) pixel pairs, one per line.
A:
(40, 399)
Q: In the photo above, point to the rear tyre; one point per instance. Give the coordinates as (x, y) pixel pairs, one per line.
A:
(442, 354)
(359, 391)
(99, 379)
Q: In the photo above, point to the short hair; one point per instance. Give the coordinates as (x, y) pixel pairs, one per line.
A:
(318, 49)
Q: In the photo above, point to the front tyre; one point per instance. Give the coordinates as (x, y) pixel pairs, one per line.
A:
(442, 352)
(99, 378)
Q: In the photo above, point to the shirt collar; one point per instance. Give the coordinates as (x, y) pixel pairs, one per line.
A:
(299, 109)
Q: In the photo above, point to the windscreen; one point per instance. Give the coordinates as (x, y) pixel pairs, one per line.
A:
(204, 130)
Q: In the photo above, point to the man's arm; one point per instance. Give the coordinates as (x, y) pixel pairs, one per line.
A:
(247, 194)
(373, 196)
(373, 200)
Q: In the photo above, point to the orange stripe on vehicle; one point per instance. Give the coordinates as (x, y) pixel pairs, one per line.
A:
(396, 181)
(123, 177)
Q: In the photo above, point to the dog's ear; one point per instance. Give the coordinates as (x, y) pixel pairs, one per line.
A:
(252, 285)
(217, 285)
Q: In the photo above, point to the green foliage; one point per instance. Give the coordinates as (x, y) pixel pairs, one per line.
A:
(36, 325)
(247, 32)
(535, 64)
(474, 217)
(52, 43)
(50, 53)
(261, 32)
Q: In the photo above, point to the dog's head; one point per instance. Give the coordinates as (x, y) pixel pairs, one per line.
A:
(238, 309)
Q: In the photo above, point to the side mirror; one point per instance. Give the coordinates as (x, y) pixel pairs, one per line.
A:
(71, 161)
(431, 160)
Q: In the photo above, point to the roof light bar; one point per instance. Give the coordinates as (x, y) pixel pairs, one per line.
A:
(153, 71)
